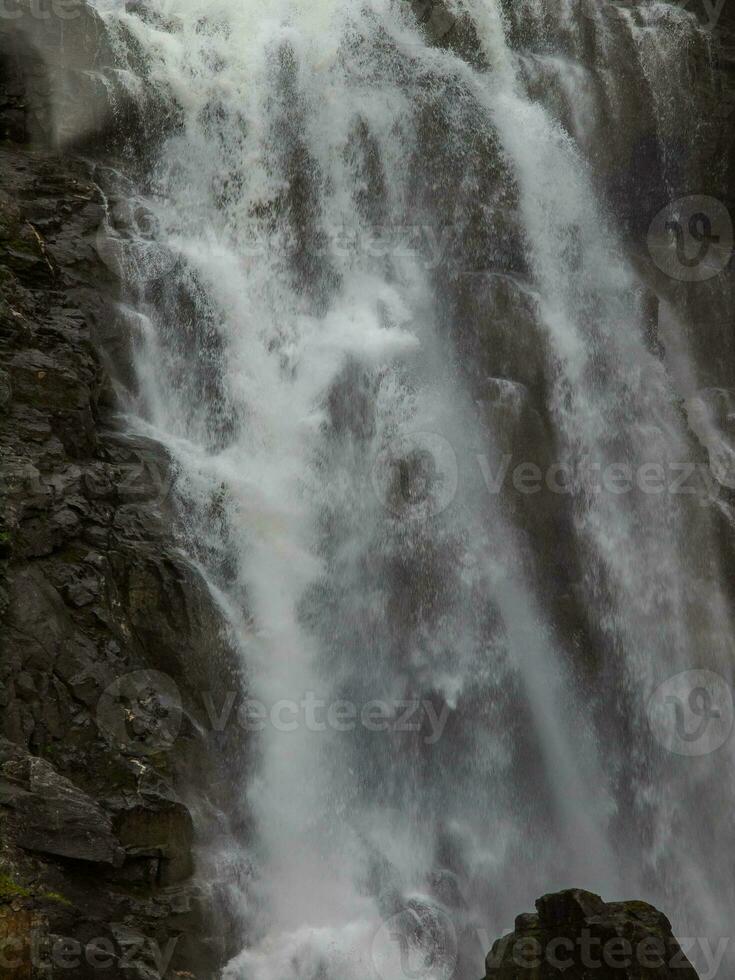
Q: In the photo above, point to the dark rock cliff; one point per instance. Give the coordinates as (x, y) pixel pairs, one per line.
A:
(110, 773)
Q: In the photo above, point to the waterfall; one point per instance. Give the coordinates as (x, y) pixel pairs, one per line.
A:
(406, 346)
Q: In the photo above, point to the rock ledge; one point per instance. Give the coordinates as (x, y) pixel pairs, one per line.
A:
(575, 934)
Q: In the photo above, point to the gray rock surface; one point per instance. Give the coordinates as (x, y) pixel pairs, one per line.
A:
(48, 813)
(449, 30)
(62, 52)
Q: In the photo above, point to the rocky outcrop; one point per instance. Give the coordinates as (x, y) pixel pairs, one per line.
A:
(447, 29)
(65, 83)
(54, 58)
(50, 815)
(110, 641)
(574, 934)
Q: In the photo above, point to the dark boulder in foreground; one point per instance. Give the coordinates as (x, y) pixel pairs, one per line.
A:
(575, 935)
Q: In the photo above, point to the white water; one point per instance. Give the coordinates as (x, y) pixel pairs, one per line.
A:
(290, 354)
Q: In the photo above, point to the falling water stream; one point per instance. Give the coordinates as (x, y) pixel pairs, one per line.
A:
(402, 265)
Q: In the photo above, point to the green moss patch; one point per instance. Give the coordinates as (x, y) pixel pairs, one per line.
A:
(55, 897)
(10, 889)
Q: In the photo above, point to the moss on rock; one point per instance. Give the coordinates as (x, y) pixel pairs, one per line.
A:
(10, 890)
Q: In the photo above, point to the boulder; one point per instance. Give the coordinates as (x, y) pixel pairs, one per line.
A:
(49, 814)
(711, 417)
(574, 934)
(446, 29)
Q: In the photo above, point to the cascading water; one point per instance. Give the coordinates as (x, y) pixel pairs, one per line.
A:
(401, 266)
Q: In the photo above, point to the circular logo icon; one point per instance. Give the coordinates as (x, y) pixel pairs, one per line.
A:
(691, 239)
(722, 463)
(141, 712)
(418, 943)
(416, 474)
(692, 713)
(708, 420)
(136, 254)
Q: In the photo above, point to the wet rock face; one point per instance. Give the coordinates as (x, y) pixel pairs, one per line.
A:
(50, 63)
(725, 74)
(449, 30)
(49, 814)
(63, 87)
(108, 635)
(575, 934)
